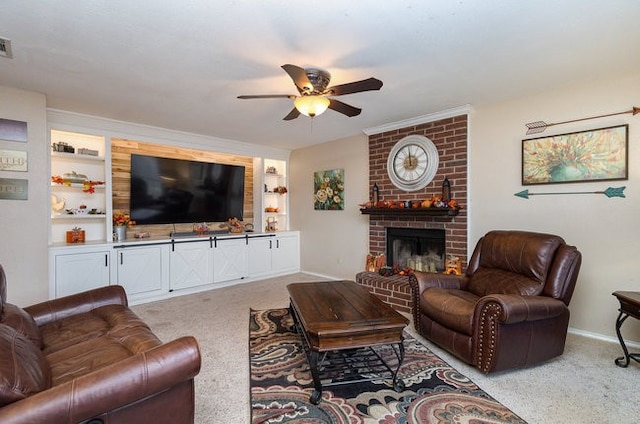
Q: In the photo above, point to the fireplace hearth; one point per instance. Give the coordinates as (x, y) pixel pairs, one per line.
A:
(417, 248)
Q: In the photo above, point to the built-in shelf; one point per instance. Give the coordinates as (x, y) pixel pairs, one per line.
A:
(410, 211)
(79, 216)
(76, 185)
(76, 156)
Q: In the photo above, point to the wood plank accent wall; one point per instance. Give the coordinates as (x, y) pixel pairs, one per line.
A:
(121, 151)
(450, 137)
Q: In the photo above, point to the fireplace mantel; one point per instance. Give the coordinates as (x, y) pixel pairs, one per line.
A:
(411, 211)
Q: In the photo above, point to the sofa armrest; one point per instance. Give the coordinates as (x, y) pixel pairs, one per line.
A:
(425, 280)
(56, 309)
(515, 308)
(110, 388)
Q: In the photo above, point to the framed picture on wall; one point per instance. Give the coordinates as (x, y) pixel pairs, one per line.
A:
(584, 156)
(328, 187)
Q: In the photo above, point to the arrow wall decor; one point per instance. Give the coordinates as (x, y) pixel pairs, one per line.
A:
(539, 126)
(609, 192)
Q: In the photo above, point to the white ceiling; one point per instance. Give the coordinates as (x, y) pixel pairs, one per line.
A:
(181, 64)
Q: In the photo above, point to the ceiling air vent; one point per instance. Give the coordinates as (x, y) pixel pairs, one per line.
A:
(5, 48)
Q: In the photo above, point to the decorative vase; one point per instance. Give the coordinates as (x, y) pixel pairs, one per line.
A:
(119, 233)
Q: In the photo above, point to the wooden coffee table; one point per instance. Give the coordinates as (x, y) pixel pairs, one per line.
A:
(337, 319)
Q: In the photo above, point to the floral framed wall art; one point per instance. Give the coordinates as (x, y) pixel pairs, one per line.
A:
(328, 189)
(593, 155)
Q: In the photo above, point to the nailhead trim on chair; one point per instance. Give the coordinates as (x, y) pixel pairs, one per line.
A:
(488, 319)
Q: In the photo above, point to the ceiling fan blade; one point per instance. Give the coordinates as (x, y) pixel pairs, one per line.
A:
(355, 87)
(268, 96)
(299, 77)
(344, 108)
(292, 115)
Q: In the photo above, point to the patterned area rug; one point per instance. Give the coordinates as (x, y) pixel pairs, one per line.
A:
(435, 392)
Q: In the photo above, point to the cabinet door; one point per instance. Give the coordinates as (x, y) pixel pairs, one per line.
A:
(191, 265)
(140, 269)
(260, 255)
(230, 260)
(77, 272)
(286, 254)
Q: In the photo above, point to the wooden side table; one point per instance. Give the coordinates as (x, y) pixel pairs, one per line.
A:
(629, 306)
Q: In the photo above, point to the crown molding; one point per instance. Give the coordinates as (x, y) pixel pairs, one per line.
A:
(419, 120)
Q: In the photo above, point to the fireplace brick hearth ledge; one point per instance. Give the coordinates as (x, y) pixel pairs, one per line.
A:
(394, 290)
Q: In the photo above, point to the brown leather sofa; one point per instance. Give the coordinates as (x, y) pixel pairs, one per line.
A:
(510, 308)
(87, 358)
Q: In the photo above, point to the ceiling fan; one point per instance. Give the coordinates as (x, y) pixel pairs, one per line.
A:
(315, 96)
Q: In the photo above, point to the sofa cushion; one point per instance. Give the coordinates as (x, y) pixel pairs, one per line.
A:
(498, 281)
(449, 307)
(73, 330)
(23, 369)
(83, 343)
(18, 319)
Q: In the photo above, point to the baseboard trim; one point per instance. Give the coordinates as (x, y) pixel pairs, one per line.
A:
(602, 337)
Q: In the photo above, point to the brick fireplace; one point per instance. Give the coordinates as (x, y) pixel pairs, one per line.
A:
(450, 137)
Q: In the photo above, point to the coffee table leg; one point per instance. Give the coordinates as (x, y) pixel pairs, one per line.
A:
(316, 396)
(398, 385)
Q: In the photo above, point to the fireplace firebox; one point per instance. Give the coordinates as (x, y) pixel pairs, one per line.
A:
(416, 248)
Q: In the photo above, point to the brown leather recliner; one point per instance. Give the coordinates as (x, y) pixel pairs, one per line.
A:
(87, 358)
(510, 308)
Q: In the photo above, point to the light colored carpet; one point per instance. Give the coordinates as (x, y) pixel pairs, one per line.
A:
(582, 386)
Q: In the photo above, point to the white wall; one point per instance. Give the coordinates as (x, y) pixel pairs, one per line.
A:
(606, 231)
(333, 243)
(24, 223)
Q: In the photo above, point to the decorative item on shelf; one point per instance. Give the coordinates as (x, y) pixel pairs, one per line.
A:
(88, 186)
(271, 170)
(121, 221)
(57, 206)
(272, 224)
(248, 227)
(453, 265)
(145, 234)
(76, 235)
(62, 147)
(271, 209)
(235, 225)
(201, 228)
(82, 210)
(280, 190)
(375, 197)
(446, 190)
(88, 152)
(375, 262)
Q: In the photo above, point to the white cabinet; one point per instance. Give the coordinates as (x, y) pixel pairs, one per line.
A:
(142, 270)
(75, 271)
(260, 255)
(274, 254)
(286, 254)
(78, 186)
(190, 264)
(230, 259)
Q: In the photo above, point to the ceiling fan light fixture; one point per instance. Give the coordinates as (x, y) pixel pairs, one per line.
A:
(311, 105)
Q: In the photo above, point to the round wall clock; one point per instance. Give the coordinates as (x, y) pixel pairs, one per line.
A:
(412, 162)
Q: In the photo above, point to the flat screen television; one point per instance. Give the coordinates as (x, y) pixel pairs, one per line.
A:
(173, 191)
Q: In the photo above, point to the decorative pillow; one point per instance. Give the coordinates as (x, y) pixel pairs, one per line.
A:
(18, 319)
(23, 369)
